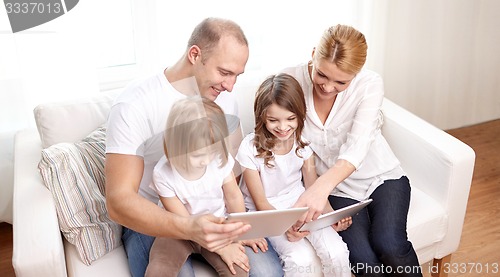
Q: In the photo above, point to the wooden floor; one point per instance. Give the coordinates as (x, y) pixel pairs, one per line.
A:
(479, 251)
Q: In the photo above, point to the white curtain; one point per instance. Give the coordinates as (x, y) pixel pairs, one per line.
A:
(52, 62)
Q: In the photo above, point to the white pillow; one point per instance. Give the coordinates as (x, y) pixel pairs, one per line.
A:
(71, 121)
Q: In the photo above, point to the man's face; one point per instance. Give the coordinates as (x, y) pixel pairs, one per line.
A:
(218, 72)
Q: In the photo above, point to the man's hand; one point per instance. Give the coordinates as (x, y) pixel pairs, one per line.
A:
(234, 253)
(212, 233)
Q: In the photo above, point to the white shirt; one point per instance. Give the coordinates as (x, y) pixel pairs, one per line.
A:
(352, 132)
(138, 119)
(202, 196)
(283, 182)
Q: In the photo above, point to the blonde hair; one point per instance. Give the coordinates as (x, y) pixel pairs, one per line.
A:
(194, 123)
(284, 91)
(344, 46)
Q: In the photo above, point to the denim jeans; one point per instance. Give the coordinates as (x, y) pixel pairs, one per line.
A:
(377, 239)
(137, 247)
(262, 264)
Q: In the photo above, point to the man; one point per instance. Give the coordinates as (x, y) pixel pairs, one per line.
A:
(216, 55)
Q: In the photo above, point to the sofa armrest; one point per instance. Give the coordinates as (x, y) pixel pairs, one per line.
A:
(38, 248)
(437, 163)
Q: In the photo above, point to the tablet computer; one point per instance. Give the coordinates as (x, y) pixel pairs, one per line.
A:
(328, 219)
(267, 223)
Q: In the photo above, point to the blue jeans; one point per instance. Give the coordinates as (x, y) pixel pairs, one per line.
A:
(377, 239)
(262, 264)
(137, 247)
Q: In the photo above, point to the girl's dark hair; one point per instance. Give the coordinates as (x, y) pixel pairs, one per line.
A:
(286, 92)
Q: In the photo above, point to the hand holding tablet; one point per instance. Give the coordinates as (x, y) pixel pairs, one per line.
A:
(328, 219)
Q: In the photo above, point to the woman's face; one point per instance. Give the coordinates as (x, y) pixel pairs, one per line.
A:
(328, 79)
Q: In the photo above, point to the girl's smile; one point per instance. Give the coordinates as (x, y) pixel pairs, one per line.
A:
(281, 122)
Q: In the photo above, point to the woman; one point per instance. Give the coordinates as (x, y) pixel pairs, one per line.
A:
(353, 159)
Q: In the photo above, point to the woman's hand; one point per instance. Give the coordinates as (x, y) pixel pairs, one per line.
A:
(315, 197)
(256, 244)
(234, 253)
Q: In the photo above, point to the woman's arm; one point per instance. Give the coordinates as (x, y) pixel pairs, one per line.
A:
(316, 196)
(256, 189)
(232, 195)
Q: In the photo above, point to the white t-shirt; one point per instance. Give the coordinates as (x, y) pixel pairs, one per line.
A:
(282, 183)
(138, 118)
(352, 132)
(202, 196)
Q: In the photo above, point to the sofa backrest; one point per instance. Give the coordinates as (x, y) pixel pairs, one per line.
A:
(71, 121)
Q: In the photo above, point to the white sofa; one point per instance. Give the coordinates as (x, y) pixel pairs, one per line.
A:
(439, 166)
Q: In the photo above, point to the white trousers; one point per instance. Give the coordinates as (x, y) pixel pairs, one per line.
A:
(298, 257)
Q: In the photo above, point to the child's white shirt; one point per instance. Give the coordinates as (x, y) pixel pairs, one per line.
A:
(281, 183)
(202, 196)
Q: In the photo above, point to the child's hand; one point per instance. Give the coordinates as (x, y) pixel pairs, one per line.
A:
(294, 235)
(343, 224)
(234, 253)
(255, 244)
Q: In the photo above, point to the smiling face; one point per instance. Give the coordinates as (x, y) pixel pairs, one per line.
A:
(281, 122)
(218, 70)
(328, 79)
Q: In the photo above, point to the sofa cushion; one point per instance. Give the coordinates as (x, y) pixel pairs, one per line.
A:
(427, 220)
(74, 173)
(56, 121)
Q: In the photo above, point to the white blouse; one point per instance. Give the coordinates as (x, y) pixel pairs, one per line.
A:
(352, 132)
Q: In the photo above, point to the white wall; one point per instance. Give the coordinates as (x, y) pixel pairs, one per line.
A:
(442, 60)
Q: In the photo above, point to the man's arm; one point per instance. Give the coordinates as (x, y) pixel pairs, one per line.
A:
(126, 207)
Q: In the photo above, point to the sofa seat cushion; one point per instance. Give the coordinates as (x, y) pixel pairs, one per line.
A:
(74, 173)
(427, 220)
(112, 264)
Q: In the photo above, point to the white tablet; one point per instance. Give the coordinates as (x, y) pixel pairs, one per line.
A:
(328, 219)
(268, 223)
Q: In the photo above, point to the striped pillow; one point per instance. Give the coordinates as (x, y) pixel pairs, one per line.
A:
(74, 173)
